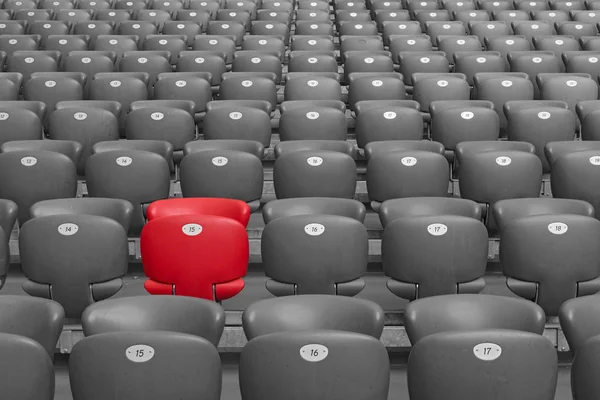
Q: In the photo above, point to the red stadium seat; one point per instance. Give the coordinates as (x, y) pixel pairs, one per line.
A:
(201, 256)
(229, 208)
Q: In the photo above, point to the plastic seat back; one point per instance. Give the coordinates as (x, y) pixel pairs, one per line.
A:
(202, 256)
(346, 364)
(551, 258)
(528, 360)
(166, 364)
(156, 313)
(138, 176)
(329, 255)
(73, 259)
(316, 312)
(48, 175)
(33, 377)
(426, 256)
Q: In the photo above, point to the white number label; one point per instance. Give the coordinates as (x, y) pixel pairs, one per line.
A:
(377, 83)
(409, 161)
(157, 116)
(124, 161)
(389, 115)
(115, 84)
(246, 83)
(220, 161)
(442, 83)
(180, 83)
(437, 229)
(50, 84)
(4, 116)
(312, 115)
(142, 60)
(314, 161)
(312, 83)
(314, 352)
(425, 60)
(369, 60)
(191, 229)
(67, 229)
(543, 115)
(314, 229)
(558, 228)
(28, 161)
(86, 60)
(503, 161)
(487, 351)
(571, 83)
(467, 115)
(235, 115)
(139, 353)
(507, 83)
(595, 160)
(80, 116)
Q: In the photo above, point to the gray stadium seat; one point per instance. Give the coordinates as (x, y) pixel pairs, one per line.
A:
(246, 146)
(383, 123)
(156, 313)
(223, 173)
(394, 209)
(33, 376)
(453, 122)
(539, 122)
(507, 210)
(48, 175)
(163, 123)
(116, 209)
(313, 205)
(329, 255)
(579, 321)
(340, 146)
(145, 365)
(68, 148)
(330, 364)
(502, 363)
(318, 173)
(551, 258)
(238, 123)
(51, 247)
(584, 382)
(313, 312)
(406, 173)
(500, 88)
(388, 146)
(19, 124)
(488, 172)
(160, 147)
(138, 176)
(84, 125)
(571, 174)
(311, 122)
(38, 319)
(471, 312)
(434, 255)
